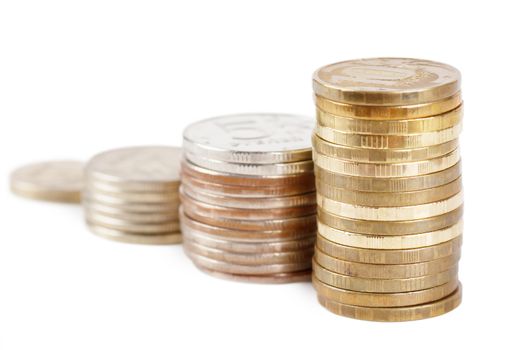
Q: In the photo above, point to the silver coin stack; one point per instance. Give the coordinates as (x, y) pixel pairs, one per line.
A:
(248, 197)
(132, 195)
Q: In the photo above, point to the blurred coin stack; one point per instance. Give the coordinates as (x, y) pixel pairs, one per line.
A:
(132, 195)
(389, 192)
(248, 197)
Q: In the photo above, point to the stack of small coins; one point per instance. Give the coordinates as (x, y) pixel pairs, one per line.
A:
(389, 188)
(248, 197)
(132, 195)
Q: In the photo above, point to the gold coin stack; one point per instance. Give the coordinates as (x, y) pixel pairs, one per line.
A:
(248, 197)
(389, 190)
(132, 195)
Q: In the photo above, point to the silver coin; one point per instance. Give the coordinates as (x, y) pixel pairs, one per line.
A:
(251, 138)
(131, 206)
(127, 237)
(154, 216)
(130, 226)
(132, 197)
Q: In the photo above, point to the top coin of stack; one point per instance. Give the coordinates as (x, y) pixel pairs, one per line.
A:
(132, 194)
(248, 197)
(389, 192)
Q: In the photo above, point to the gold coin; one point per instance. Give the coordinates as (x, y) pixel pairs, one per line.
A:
(390, 127)
(55, 181)
(129, 237)
(416, 240)
(406, 112)
(386, 81)
(389, 256)
(344, 296)
(137, 216)
(376, 285)
(131, 226)
(390, 170)
(390, 314)
(368, 155)
(285, 277)
(412, 212)
(238, 269)
(402, 184)
(390, 228)
(355, 269)
(388, 141)
(382, 199)
(250, 259)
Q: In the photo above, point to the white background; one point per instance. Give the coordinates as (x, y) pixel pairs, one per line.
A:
(79, 77)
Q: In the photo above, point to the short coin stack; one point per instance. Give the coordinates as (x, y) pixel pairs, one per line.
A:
(248, 197)
(132, 195)
(389, 192)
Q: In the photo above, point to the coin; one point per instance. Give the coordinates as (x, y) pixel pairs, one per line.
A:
(128, 237)
(407, 313)
(130, 197)
(383, 199)
(390, 127)
(376, 285)
(138, 216)
(344, 296)
(368, 155)
(132, 187)
(412, 212)
(355, 269)
(135, 207)
(416, 240)
(131, 226)
(386, 81)
(286, 277)
(401, 184)
(389, 256)
(261, 138)
(57, 181)
(390, 170)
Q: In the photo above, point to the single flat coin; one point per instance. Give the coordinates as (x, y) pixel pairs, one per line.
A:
(131, 226)
(355, 269)
(390, 127)
(128, 237)
(133, 197)
(387, 81)
(277, 230)
(135, 188)
(213, 211)
(143, 167)
(286, 277)
(401, 184)
(257, 247)
(389, 170)
(390, 199)
(261, 138)
(390, 228)
(199, 195)
(56, 181)
(344, 296)
(405, 112)
(251, 169)
(376, 285)
(412, 212)
(368, 155)
(389, 256)
(388, 141)
(138, 216)
(392, 314)
(416, 240)
(224, 267)
(118, 205)
(250, 259)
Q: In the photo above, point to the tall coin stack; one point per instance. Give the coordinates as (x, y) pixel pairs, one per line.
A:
(248, 197)
(389, 190)
(132, 195)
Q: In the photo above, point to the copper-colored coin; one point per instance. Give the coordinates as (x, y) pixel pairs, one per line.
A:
(390, 314)
(130, 226)
(130, 237)
(154, 216)
(250, 259)
(213, 211)
(377, 285)
(400, 184)
(389, 256)
(286, 277)
(253, 231)
(356, 269)
(387, 228)
(190, 169)
(344, 296)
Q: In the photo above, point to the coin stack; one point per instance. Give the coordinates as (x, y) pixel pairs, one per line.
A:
(132, 195)
(389, 190)
(248, 197)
